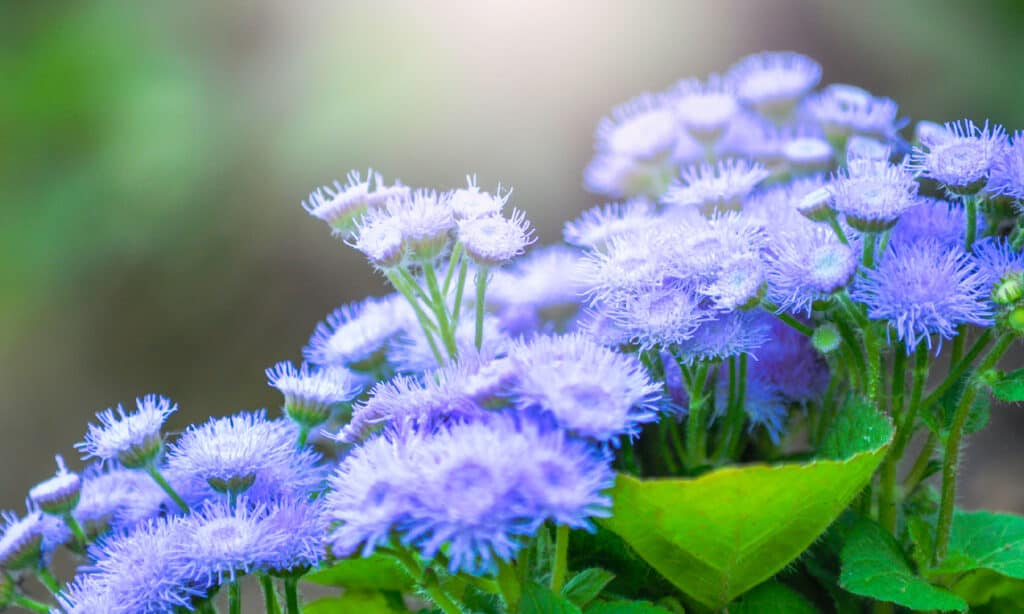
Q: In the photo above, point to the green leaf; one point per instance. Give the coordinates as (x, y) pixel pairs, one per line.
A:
(940, 416)
(374, 572)
(537, 599)
(719, 535)
(858, 427)
(352, 602)
(585, 586)
(1009, 387)
(626, 607)
(986, 556)
(874, 566)
(772, 598)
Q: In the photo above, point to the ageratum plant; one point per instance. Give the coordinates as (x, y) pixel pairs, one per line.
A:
(742, 386)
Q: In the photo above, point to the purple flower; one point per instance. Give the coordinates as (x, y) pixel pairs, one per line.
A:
(774, 82)
(873, 195)
(494, 240)
(705, 108)
(539, 292)
(619, 176)
(60, 494)
(730, 334)
(357, 336)
(808, 154)
(106, 493)
(588, 389)
(310, 394)
(597, 226)
(21, 539)
(474, 489)
(935, 219)
(925, 288)
(342, 207)
(1006, 177)
(961, 156)
(244, 453)
(790, 365)
(658, 316)
(413, 228)
(644, 128)
(843, 110)
(806, 266)
(134, 440)
(720, 187)
(469, 202)
(997, 259)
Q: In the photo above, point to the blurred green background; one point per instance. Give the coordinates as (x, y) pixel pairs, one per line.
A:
(153, 157)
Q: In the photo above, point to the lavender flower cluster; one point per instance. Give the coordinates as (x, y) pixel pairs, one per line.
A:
(768, 247)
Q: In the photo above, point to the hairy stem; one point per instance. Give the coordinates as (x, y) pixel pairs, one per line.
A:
(696, 423)
(560, 562)
(971, 208)
(154, 472)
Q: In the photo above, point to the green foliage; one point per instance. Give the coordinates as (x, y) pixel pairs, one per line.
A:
(378, 572)
(706, 537)
(1009, 386)
(626, 607)
(939, 417)
(537, 599)
(352, 602)
(772, 598)
(873, 565)
(585, 586)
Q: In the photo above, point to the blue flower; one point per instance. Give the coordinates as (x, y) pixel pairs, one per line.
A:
(774, 82)
(808, 154)
(134, 440)
(106, 492)
(60, 494)
(588, 389)
(873, 195)
(357, 336)
(310, 394)
(705, 108)
(470, 202)
(961, 156)
(88, 594)
(494, 240)
(619, 176)
(997, 259)
(412, 353)
(597, 226)
(790, 365)
(844, 110)
(21, 540)
(342, 206)
(539, 292)
(720, 187)
(933, 218)
(925, 288)
(1006, 177)
(729, 334)
(659, 316)
(807, 266)
(475, 489)
(644, 128)
(413, 228)
(244, 453)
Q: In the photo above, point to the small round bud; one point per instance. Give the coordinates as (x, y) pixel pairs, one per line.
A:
(816, 205)
(21, 541)
(826, 338)
(1015, 320)
(58, 495)
(1009, 290)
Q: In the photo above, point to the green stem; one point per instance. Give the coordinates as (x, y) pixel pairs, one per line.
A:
(30, 604)
(400, 284)
(795, 324)
(270, 601)
(696, 423)
(1018, 238)
(440, 308)
(154, 472)
(460, 287)
(76, 530)
(206, 606)
(971, 208)
(887, 476)
(958, 345)
(867, 257)
(508, 583)
(291, 596)
(905, 427)
(951, 456)
(46, 578)
(481, 291)
(833, 222)
(957, 370)
(560, 563)
(917, 470)
(430, 585)
(453, 263)
(234, 597)
(303, 436)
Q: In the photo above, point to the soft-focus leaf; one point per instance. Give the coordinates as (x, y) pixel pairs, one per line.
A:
(626, 607)
(719, 535)
(585, 586)
(985, 558)
(352, 602)
(374, 572)
(875, 567)
(1009, 387)
(939, 416)
(772, 598)
(537, 599)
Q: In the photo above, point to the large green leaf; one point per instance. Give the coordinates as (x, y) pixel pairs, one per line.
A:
(985, 559)
(718, 535)
(772, 598)
(374, 572)
(874, 566)
(626, 607)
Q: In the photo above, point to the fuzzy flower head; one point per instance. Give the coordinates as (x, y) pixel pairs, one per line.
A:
(807, 266)
(925, 288)
(357, 336)
(644, 128)
(773, 83)
(960, 157)
(729, 334)
(475, 489)
(414, 228)
(586, 388)
(933, 218)
(58, 495)
(619, 176)
(998, 260)
(808, 154)
(310, 394)
(720, 187)
(494, 240)
(844, 110)
(106, 493)
(469, 202)
(658, 316)
(872, 196)
(342, 206)
(244, 453)
(538, 292)
(134, 439)
(1006, 177)
(705, 108)
(21, 539)
(596, 226)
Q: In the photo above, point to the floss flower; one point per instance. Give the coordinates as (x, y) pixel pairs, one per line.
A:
(58, 495)
(134, 439)
(311, 394)
(343, 206)
(874, 195)
(644, 128)
(494, 240)
(597, 226)
(960, 157)
(773, 83)
(720, 187)
(357, 336)
(1006, 177)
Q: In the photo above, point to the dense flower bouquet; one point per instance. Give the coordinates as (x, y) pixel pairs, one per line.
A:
(701, 401)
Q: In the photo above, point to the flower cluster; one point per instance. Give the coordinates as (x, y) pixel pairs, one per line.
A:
(769, 250)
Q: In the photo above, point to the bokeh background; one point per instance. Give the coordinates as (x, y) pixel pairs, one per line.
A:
(153, 157)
